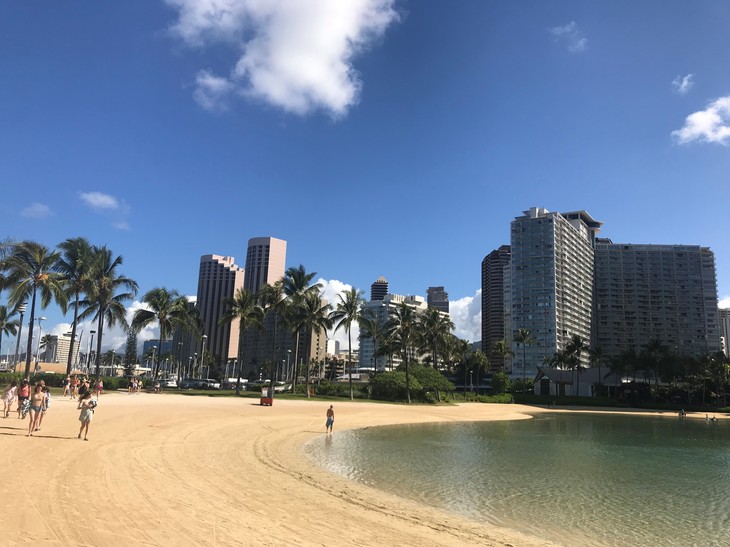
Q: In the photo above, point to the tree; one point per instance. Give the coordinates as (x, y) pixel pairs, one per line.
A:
(573, 350)
(596, 357)
(312, 316)
(296, 286)
(103, 300)
(344, 315)
(371, 327)
(524, 337)
(166, 308)
(46, 342)
(503, 349)
(8, 325)
(500, 383)
(273, 301)
(404, 319)
(432, 329)
(479, 363)
(29, 269)
(242, 307)
(74, 264)
(130, 352)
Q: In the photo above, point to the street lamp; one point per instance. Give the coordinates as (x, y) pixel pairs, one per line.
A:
(190, 366)
(195, 364)
(38, 344)
(288, 355)
(88, 355)
(21, 310)
(202, 358)
(113, 367)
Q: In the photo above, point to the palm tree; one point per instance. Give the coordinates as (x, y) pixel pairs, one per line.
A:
(371, 328)
(344, 315)
(29, 269)
(312, 316)
(461, 350)
(166, 308)
(524, 337)
(480, 363)
(596, 357)
(296, 285)
(273, 301)
(404, 321)
(244, 309)
(46, 342)
(433, 327)
(74, 265)
(102, 301)
(502, 348)
(8, 325)
(573, 350)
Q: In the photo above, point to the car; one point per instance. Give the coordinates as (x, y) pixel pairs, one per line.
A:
(169, 382)
(189, 383)
(209, 383)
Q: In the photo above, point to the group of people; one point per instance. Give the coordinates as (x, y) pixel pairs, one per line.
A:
(135, 386)
(34, 403)
(75, 386)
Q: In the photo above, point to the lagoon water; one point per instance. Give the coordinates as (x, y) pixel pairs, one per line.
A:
(587, 479)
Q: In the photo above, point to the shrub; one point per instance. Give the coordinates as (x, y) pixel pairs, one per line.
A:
(391, 386)
(503, 398)
(500, 383)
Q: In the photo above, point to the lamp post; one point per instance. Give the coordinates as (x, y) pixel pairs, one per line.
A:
(21, 310)
(288, 355)
(154, 348)
(38, 344)
(195, 364)
(113, 367)
(190, 366)
(179, 360)
(202, 357)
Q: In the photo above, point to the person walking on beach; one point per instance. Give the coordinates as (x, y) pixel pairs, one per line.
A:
(23, 396)
(86, 405)
(99, 387)
(66, 384)
(47, 393)
(330, 419)
(8, 397)
(74, 386)
(37, 405)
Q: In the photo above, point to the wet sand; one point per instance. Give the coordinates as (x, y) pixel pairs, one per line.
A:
(178, 470)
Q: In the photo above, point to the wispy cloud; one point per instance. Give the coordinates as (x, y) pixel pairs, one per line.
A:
(724, 303)
(571, 36)
(466, 313)
(37, 211)
(709, 125)
(108, 205)
(297, 56)
(331, 288)
(683, 84)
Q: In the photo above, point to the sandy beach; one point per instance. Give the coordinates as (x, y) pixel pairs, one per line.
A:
(177, 470)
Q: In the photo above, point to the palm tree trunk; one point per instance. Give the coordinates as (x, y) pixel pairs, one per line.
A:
(524, 365)
(29, 349)
(349, 361)
(296, 360)
(73, 335)
(100, 333)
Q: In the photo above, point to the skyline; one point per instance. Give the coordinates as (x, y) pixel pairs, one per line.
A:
(389, 138)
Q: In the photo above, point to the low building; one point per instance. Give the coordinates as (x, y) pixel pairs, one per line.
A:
(568, 383)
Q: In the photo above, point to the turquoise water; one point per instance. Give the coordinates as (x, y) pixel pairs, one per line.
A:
(586, 479)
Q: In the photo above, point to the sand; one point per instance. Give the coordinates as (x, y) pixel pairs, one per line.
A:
(178, 470)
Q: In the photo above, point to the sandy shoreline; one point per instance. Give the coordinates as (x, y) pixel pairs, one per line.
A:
(177, 470)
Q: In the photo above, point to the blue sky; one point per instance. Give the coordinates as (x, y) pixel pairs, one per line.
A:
(377, 137)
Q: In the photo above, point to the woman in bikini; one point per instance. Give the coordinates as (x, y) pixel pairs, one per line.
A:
(37, 406)
(86, 405)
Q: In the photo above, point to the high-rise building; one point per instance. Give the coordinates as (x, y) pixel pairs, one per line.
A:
(379, 289)
(438, 299)
(655, 292)
(265, 262)
(493, 304)
(725, 330)
(552, 282)
(219, 278)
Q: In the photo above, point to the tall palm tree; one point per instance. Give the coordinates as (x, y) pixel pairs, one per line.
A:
(74, 265)
(103, 300)
(273, 301)
(46, 342)
(404, 320)
(243, 308)
(371, 328)
(29, 269)
(524, 337)
(595, 358)
(433, 328)
(344, 315)
(461, 350)
(8, 325)
(166, 308)
(296, 284)
(312, 316)
(503, 349)
(573, 350)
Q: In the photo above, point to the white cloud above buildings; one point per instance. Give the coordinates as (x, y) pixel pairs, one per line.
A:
(297, 56)
(571, 36)
(683, 84)
(107, 204)
(724, 303)
(710, 125)
(466, 313)
(37, 211)
(330, 289)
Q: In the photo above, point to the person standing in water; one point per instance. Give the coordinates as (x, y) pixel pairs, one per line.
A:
(330, 419)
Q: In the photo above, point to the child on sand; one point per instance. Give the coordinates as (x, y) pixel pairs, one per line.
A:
(8, 397)
(86, 405)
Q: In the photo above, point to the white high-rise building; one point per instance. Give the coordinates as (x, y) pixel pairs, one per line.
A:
(725, 330)
(551, 274)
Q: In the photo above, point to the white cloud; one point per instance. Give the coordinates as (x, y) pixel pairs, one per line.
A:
(724, 303)
(466, 313)
(682, 84)
(330, 289)
(36, 210)
(294, 55)
(571, 36)
(99, 201)
(709, 125)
